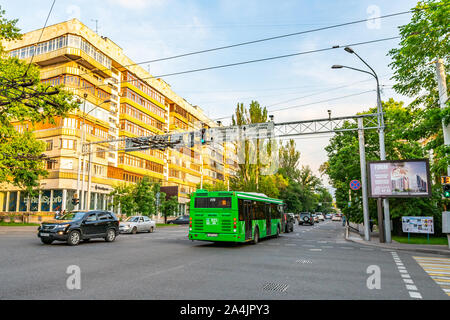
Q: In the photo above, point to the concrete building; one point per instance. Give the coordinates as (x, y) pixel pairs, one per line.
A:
(118, 99)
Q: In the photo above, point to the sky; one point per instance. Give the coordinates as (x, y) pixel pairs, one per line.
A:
(153, 29)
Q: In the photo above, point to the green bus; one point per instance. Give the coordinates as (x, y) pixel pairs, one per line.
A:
(234, 216)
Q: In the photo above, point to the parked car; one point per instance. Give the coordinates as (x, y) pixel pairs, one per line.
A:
(336, 217)
(180, 220)
(136, 224)
(290, 221)
(305, 218)
(80, 225)
(320, 216)
(316, 219)
(328, 216)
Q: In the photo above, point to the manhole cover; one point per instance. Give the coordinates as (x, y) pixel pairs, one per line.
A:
(303, 261)
(276, 287)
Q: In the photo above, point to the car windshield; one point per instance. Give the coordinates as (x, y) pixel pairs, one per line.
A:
(132, 219)
(72, 216)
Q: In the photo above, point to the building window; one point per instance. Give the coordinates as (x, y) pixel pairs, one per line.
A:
(49, 146)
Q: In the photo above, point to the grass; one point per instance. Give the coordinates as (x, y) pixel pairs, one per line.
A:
(166, 225)
(421, 240)
(20, 224)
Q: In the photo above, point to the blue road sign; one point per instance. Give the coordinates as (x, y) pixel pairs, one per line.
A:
(355, 185)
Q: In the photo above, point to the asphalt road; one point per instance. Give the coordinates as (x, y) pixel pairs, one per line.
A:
(310, 263)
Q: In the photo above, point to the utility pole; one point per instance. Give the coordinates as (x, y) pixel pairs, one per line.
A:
(443, 97)
(81, 155)
(362, 160)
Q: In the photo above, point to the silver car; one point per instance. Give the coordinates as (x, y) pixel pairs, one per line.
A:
(136, 224)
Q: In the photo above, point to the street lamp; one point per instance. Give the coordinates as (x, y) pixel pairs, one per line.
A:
(387, 224)
(82, 154)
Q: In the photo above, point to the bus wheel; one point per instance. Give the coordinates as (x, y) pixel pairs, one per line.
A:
(256, 237)
(278, 232)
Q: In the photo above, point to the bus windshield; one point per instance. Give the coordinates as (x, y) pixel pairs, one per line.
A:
(213, 202)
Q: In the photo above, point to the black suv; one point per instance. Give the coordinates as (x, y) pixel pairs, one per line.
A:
(80, 225)
(306, 218)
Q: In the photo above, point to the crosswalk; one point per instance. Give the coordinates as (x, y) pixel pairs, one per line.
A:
(438, 269)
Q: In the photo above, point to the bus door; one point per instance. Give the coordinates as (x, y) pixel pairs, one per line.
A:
(247, 219)
(268, 220)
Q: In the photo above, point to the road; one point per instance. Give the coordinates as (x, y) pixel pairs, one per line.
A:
(309, 263)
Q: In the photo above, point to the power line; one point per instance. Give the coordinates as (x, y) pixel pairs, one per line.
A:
(42, 32)
(309, 104)
(265, 59)
(268, 39)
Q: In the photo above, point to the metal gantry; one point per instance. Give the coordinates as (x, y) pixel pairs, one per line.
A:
(326, 125)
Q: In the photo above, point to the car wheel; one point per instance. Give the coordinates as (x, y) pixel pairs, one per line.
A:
(74, 238)
(46, 240)
(134, 231)
(256, 237)
(110, 235)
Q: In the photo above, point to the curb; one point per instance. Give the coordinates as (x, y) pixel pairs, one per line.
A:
(422, 250)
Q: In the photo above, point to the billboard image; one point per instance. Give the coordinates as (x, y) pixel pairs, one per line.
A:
(403, 178)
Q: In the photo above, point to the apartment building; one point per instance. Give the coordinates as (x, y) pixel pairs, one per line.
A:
(119, 99)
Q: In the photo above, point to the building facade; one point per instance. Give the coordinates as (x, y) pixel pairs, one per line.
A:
(118, 99)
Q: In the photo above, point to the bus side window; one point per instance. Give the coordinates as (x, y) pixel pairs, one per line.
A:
(241, 209)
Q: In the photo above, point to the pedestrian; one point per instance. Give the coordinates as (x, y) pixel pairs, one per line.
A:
(371, 225)
(343, 220)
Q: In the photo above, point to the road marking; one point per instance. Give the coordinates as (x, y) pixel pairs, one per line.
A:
(438, 269)
(315, 249)
(409, 283)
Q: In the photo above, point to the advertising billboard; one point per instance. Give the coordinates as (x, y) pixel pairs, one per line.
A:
(417, 225)
(402, 178)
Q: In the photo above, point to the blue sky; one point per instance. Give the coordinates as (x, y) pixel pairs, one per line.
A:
(151, 29)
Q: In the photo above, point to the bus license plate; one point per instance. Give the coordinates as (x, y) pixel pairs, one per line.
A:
(212, 234)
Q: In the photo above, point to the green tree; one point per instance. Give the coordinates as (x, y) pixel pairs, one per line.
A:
(124, 196)
(144, 196)
(251, 166)
(343, 164)
(24, 100)
(289, 159)
(169, 207)
(423, 40)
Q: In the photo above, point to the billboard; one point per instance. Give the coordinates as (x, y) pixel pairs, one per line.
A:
(417, 224)
(401, 178)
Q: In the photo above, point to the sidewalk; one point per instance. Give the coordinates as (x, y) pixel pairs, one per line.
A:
(375, 242)
(17, 229)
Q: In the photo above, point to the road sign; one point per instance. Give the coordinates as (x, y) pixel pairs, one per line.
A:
(355, 185)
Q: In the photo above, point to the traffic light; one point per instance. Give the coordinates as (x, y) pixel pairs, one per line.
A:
(203, 136)
(446, 190)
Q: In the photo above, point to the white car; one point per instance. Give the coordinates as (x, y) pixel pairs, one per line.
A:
(320, 217)
(336, 218)
(136, 224)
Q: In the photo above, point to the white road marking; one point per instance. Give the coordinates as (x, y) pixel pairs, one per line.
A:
(409, 283)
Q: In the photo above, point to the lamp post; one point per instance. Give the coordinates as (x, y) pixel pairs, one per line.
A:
(387, 221)
(82, 203)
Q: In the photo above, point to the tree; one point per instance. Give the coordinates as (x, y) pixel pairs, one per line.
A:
(124, 196)
(423, 40)
(250, 166)
(343, 164)
(289, 159)
(169, 207)
(144, 196)
(24, 100)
